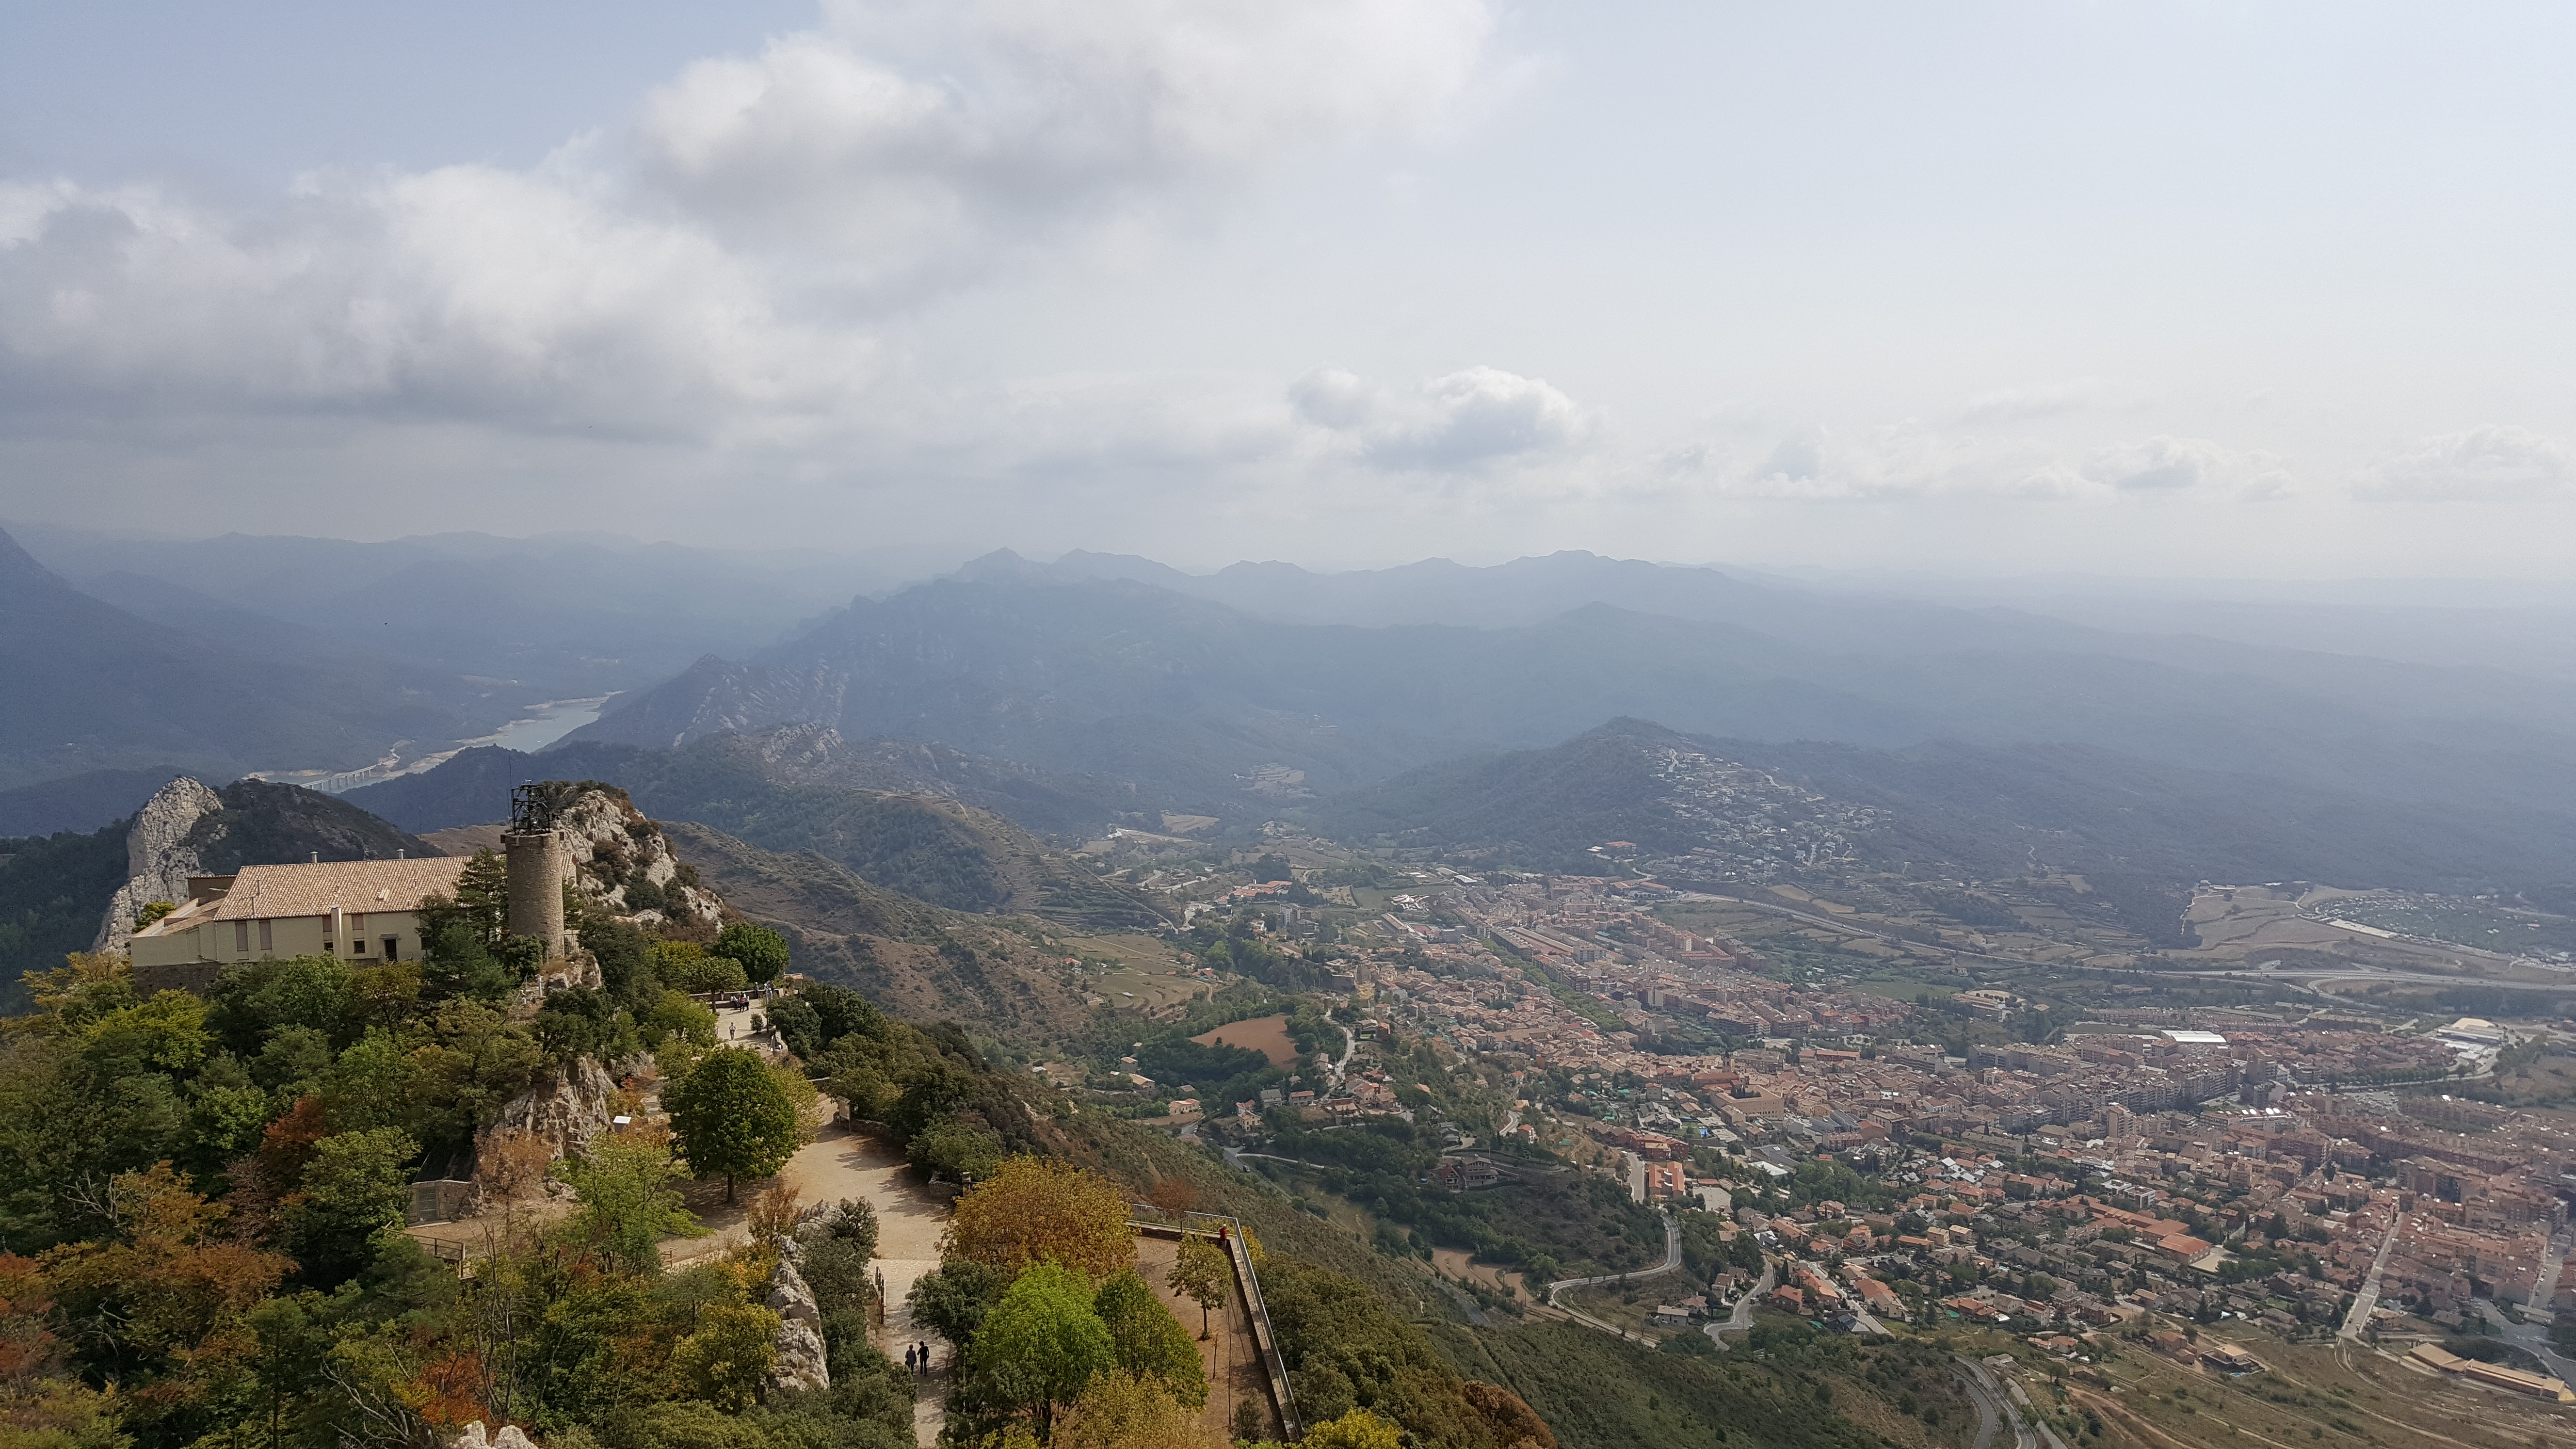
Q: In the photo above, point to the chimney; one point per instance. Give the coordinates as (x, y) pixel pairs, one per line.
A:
(317, 857)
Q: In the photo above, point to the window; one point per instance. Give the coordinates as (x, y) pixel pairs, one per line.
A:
(358, 947)
(393, 948)
(241, 938)
(267, 941)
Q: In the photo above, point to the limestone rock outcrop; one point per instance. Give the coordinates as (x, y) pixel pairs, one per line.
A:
(803, 1361)
(472, 1437)
(623, 863)
(157, 864)
(567, 1107)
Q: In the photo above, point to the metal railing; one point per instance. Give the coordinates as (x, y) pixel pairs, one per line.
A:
(1247, 1286)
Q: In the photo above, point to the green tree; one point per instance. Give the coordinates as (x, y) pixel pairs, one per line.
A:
(628, 1205)
(1201, 1273)
(354, 1188)
(733, 1117)
(762, 951)
(957, 1299)
(1042, 1343)
(1148, 1339)
(958, 1151)
(733, 1349)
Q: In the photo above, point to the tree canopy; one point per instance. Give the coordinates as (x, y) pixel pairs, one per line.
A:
(1033, 1210)
(733, 1117)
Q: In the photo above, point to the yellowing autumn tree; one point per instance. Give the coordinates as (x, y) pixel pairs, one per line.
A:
(1034, 1211)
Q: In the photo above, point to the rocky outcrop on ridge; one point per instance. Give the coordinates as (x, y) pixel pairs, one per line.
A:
(802, 1359)
(623, 863)
(158, 860)
(568, 1107)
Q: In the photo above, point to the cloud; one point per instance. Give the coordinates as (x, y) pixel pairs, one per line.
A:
(731, 265)
(1912, 462)
(1465, 420)
(2022, 404)
(898, 145)
(464, 291)
(2162, 465)
(2483, 464)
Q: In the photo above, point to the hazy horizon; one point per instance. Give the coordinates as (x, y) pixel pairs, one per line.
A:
(2165, 292)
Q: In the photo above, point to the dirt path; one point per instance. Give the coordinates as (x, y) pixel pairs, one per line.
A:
(841, 1164)
(1232, 1360)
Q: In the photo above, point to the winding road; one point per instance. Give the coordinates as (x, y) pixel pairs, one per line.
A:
(1672, 1260)
(1741, 1320)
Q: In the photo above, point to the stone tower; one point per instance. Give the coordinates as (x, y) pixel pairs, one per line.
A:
(539, 863)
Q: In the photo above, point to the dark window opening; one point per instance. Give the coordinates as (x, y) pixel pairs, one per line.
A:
(358, 947)
(393, 948)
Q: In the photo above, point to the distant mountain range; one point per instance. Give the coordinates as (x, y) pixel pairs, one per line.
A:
(1731, 812)
(1102, 689)
(1121, 670)
(907, 828)
(93, 687)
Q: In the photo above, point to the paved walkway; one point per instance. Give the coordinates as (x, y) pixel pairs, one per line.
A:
(837, 1164)
(1230, 1354)
(2368, 1298)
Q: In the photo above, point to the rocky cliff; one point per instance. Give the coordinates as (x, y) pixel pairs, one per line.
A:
(802, 1358)
(158, 857)
(567, 1108)
(623, 863)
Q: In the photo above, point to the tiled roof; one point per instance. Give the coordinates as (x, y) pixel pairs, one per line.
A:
(356, 885)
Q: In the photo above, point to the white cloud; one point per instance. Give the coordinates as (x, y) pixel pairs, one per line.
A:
(463, 292)
(2022, 404)
(2489, 463)
(1465, 420)
(725, 268)
(2160, 465)
(1911, 462)
(900, 146)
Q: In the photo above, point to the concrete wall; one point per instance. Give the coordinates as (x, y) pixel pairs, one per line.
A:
(208, 947)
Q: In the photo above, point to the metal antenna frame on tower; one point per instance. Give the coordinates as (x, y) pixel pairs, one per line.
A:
(532, 811)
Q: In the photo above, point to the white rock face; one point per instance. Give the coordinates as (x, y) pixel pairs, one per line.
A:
(568, 1107)
(609, 839)
(803, 1362)
(471, 1437)
(157, 866)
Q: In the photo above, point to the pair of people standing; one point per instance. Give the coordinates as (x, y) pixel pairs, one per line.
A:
(917, 1358)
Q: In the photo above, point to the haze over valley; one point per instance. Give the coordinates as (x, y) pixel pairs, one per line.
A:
(772, 727)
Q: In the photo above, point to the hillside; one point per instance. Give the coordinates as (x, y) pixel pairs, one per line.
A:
(1205, 707)
(1734, 811)
(772, 792)
(917, 960)
(93, 687)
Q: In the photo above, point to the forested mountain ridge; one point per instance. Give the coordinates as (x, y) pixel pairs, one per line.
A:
(770, 792)
(1718, 810)
(1204, 707)
(93, 687)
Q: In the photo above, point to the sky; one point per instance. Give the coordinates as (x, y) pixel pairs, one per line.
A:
(2144, 289)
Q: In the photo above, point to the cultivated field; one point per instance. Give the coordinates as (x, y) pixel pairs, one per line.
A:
(1267, 1035)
